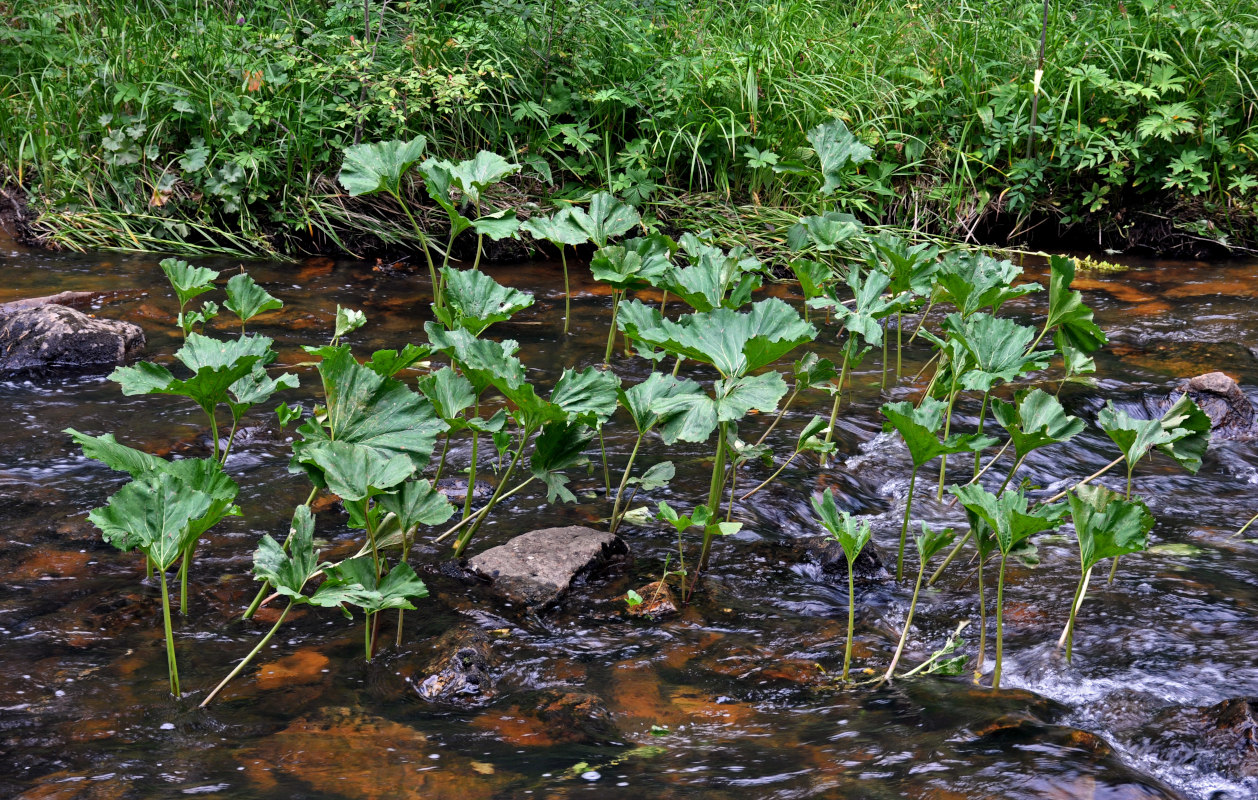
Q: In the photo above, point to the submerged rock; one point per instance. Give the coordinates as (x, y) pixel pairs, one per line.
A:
(870, 566)
(657, 601)
(461, 671)
(1222, 738)
(548, 717)
(1231, 413)
(538, 567)
(56, 337)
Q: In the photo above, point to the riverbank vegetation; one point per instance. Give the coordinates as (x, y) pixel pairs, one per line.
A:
(194, 127)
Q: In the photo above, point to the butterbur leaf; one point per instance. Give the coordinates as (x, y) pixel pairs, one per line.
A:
(355, 472)
(450, 393)
(851, 534)
(657, 476)
(736, 343)
(347, 321)
(417, 503)
(476, 174)
(997, 349)
(589, 395)
(497, 226)
(379, 166)
(685, 416)
(714, 279)
(354, 582)
(812, 276)
(256, 387)
(107, 450)
(246, 299)
(919, 428)
(216, 366)
(607, 217)
(289, 572)
(911, 267)
(812, 371)
(152, 514)
(638, 399)
(560, 446)
(1076, 361)
(188, 281)
(824, 233)
(930, 541)
(836, 148)
(474, 301)
(558, 229)
(735, 398)
(286, 413)
(483, 362)
(1107, 526)
(1036, 420)
(387, 363)
(974, 281)
(1066, 310)
(368, 409)
(636, 263)
(869, 306)
(1183, 433)
(1007, 516)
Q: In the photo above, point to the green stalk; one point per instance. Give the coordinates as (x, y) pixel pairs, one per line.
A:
(714, 500)
(982, 616)
(567, 292)
(1113, 570)
(1000, 621)
(602, 449)
(943, 459)
(471, 473)
(899, 344)
(908, 621)
(213, 432)
(982, 417)
(461, 543)
(423, 242)
(1068, 635)
(183, 577)
(611, 334)
(252, 653)
(838, 395)
(480, 239)
(884, 356)
(441, 465)
(257, 600)
(851, 618)
(904, 529)
(171, 666)
(624, 481)
(367, 636)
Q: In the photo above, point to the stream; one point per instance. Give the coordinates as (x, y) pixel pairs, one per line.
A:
(735, 697)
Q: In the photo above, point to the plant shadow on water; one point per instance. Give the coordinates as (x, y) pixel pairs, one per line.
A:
(736, 696)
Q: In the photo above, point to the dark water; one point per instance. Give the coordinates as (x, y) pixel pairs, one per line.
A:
(742, 680)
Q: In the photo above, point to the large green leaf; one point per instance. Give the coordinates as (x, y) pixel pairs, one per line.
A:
(153, 514)
(974, 281)
(417, 503)
(474, 301)
(450, 393)
(498, 225)
(997, 349)
(919, 427)
(388, 363)
(354, 471)
(825, 233)
(367, 409)
(558, 229)
(736, 397)
(289, 572)
(1036, 420)
(930, 541)
(439, 182)
(560, 446)
(484, 362)
(734, 342)
(1066, 310)
(588, 395)
(861, 318)
(608, 217)
(188, 281)
(379, 166)
(1008, 515)
(912, 267)
(836, 148)
(1183, 433)
(851, 534)
(714, 278)
(216, 365)
(474, 175)
(107, 450)
(636, 263)
(1107, 526)
(639, 398)
(813, 276)
(354, 582)
(256, 387)
(246, 299)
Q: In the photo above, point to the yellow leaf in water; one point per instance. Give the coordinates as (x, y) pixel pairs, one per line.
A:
(483, 768)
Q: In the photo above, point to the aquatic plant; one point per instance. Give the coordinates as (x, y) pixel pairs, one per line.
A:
(928, 542)
(852, 535)
(562, 232)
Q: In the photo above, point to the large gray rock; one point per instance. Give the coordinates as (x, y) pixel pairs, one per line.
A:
(47, 337)
(537, 567)
(870, 566)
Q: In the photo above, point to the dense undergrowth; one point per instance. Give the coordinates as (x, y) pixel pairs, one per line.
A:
(190, 126)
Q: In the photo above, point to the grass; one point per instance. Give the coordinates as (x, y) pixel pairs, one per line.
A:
(166, 124)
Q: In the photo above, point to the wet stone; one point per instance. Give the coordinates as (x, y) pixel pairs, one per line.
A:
(870, 566)
(1231, 413)
(538, 568)
(460, 670)
(56, 337)
(547, 718)
(657, 601)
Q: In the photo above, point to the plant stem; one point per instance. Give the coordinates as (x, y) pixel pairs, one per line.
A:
(1085, 481)
(851, 618)
(231, 437)
(982, 417)
(1068, 634)
(244, 661)
(481, 511)
(611, 334)
(214, 432)
(183, 577)
(899, 344)
(982, 617)
(423, 243)
(943, 459)
(769, 479)
(1000, 621)
(904, 529)
(567, 292)
(624, 481)
(838, 395)
(714, 501)
(172, 667)
(904, 635)
(471, 472)
(883, 385)
(367, 636)
(257, 600)
(1113, 570)
(462, 542)
(602, 449)
(780, 414)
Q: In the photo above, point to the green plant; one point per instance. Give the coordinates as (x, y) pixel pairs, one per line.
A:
(560, 231)
(928, 543)
(852, 536)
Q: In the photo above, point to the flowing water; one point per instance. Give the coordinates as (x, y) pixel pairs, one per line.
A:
(735, 697)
